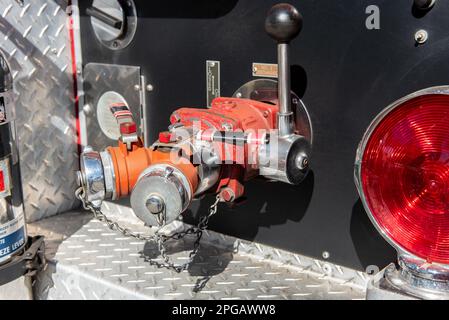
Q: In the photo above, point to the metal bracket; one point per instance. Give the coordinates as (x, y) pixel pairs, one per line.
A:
(266, 90)
(213, 81)
(31, 261)
(103, 82)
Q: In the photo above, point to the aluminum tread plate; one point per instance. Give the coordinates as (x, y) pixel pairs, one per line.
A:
(89, 261)
(36, 42)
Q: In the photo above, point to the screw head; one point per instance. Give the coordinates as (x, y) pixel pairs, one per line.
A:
(302, 162)
(421, 36)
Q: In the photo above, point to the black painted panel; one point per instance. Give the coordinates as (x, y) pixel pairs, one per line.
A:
(345, 73)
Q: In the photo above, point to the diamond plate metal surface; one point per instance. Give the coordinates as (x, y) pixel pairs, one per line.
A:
(379, 288)
(35, 39)
(89, 261)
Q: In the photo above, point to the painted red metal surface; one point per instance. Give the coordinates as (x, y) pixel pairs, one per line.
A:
(71, 28)
(231, 113)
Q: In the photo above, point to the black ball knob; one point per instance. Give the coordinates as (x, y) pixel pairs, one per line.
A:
(423, 4)
(283, 22)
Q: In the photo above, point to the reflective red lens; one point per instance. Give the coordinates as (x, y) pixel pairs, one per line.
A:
(405, 176)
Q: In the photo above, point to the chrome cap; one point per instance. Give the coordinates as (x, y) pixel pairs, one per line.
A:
(91, 176)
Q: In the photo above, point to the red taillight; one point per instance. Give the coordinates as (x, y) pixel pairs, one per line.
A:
(403, 175)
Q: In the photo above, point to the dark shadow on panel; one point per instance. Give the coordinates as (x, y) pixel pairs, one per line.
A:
(298, 80)
(419, 13)
(371, 248)
(262, 207)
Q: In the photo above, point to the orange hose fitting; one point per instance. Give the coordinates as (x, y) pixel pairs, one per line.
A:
(129, 164)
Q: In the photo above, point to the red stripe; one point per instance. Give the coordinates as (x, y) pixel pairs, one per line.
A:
(2, 181)
(75, 79)
(122, 113)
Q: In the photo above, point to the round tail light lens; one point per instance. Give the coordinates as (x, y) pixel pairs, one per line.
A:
(402, 173)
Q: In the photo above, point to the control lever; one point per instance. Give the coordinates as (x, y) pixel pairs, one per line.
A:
(286, 157)
(104, 17)
(283, 24)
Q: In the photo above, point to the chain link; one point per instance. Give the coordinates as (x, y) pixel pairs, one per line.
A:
(159, 239)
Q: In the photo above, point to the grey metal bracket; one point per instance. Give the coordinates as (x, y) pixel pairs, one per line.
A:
(28, 264)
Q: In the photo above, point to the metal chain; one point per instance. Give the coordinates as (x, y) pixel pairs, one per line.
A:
(159, 239)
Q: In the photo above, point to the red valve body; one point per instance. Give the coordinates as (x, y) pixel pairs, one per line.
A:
(229, 114)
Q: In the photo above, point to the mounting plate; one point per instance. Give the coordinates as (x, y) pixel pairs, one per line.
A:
(265, 90)
(103, 82)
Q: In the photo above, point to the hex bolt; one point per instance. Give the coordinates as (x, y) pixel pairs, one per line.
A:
(302, 161)
(421, 36)
(150, 87)
(228, 195)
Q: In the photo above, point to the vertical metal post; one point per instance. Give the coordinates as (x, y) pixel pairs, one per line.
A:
(285, 115)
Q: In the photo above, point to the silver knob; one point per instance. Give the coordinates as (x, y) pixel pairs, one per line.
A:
(155, 204)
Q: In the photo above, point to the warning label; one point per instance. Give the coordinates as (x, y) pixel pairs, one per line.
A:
(5, 185)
